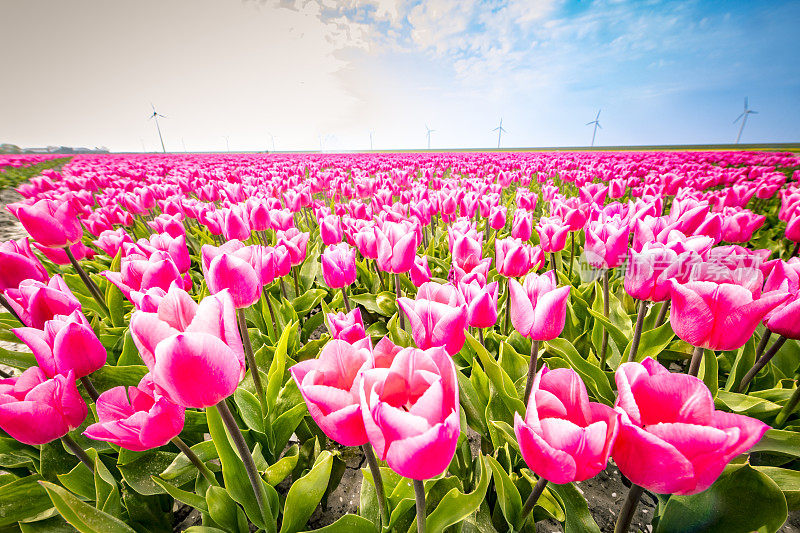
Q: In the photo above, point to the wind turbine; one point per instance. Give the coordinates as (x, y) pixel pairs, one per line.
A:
(272, 138)
(227, 142)
(743, 117)
(370, 139)
(596, 123)
(428, 134)
(183, 142)
(155, 117)
(500, 130)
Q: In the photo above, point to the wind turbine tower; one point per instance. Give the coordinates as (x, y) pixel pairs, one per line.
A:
(743, 118)
(428, 135)
(500, 131)
(155, 116)
(596, 123)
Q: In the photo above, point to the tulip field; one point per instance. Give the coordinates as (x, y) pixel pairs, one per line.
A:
(213, 343)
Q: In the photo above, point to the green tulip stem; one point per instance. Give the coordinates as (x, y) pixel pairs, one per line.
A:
(399, 295)
(380, 275)
(553, 265)
(762, 345)
(10, 309)
(532, 367)
(419, 495)
(788, 408)
(662, 315)
(251, 360)
(377, 479)
(79, 452)
(604, 345)
(346, 300)
(508, 305)
(694, 363)
(571, 253)
(637, 332)
(761, 363)
(245, 454)
(271, 311)
(201, 466)
(90, 390)
(796, 250)
(480, 337)
(296, 281)
(628, 509)
(93, 288)
(283, 289)
(537, 491)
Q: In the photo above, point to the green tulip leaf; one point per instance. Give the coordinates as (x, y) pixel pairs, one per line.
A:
(306, 493)
(81, 515)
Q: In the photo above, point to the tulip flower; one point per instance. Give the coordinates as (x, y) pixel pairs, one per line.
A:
(438, 317)
(564, 437)
(396, 247)
(738, 225)
(367, 243)
(481, 303)
(36, 302)
(148, 300)
(330, 230)
(718, 316)
(522, 225)
(411, 412)
(348, 327)
(606, 243)
(497, 217)
(36, 410)
(330, 388)
(538, 306)
(513, 258)
(194, 352)
(142, 274)
(18, 263)
(783, 320)
(237, 275)
(296, 243)
(552, 234)
(53, 224)
(235, 224)
(111, 241)
(339, 265)
(66, 343)
(648, 272)
(174, 247)
(171, 224)
(671, 439)
(138, 420)
(420, 273)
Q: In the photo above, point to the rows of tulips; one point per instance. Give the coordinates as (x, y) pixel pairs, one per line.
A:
(210, 333)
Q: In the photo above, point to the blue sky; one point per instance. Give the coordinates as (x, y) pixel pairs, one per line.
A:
(311, 72)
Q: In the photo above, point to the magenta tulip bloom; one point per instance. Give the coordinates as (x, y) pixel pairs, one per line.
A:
(648, 273)
(522, 225)
(53, 224)
(238, 276)
(66, 343)
(140, 274)
(18, 263)
(552, 234)
(783, 320)
(481, 303)
(330, 387)
(36, 410)
(111, 241)
(671, 439)
(420, 273)
(397, 247)
(538, 306)
(194, 352)
(565, 437)
(513, 258)
(718, 316)
(411, 412)
(606, 243)
(436, 319)
(330, 230)
(171, 224)
(296, 243)
(497, 217)
(367, 243)
(148, 300)
(339, 265)
(174, 247)
(465, 248)
(36, 303)
(348, 327)
(235, 224)
(138, 420)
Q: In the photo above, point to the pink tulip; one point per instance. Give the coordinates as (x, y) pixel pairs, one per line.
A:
(174, 247)
(411, 412)
(565, 437)
(142, 274)
(648, 273)
(296, 243)
(367, 242)
(538, 306)
(481, 303)
(330, 230)
(522, 226)
(53, 224)
(348, 327)
(552, 234)
(738, 225)
(783, 320)
(671, 439)
(420, 273)
(330, 386)
(339, 265)
(606, 243)
(110, 241)
(148, 300)
(66, 343)
(497, 217)
(59, 256)
(18, 263)
(235, 224)
(138, 420)
(242, 278)
(36, 303)
(438, 317)
(718, 316)
(513, 258)
(194, 352)
(36, 410)
(465, 248)
(397, 247)
(171, 224)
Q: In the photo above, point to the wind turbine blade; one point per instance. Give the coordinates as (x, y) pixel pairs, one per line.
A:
(737, 118)
(599, 126)
(754, 112)
(598, 114)
(592, 122)
(745, 102)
